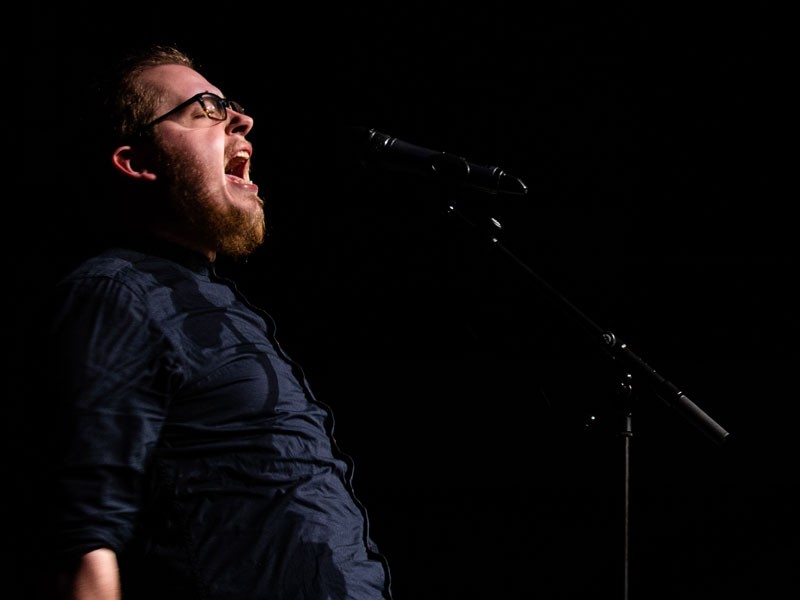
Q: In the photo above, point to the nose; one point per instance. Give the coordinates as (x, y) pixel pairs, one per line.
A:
(238, 122)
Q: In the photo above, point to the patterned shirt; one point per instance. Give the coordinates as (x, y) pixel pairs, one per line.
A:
(192, 446)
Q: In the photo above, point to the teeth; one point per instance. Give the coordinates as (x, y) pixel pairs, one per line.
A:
(245, 155)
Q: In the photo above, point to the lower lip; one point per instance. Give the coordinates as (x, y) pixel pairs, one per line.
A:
(250, 187)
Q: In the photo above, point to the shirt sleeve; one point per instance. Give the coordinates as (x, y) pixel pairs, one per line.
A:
(108, 386)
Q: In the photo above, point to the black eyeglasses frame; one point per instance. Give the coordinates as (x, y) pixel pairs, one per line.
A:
(223, 102)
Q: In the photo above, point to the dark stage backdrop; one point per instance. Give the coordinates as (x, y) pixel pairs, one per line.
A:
(484, 419)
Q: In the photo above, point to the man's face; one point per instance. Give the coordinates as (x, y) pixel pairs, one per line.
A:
(204, 166)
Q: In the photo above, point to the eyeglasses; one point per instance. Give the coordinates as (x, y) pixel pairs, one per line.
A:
(211, 105)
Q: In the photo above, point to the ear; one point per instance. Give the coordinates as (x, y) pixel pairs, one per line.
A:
(130, 162)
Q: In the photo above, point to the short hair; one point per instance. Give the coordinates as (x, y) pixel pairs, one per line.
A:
(115, 106)
(127, 104)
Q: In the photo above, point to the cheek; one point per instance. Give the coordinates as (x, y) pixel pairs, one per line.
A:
(209, 156)
(203, 147)
(214, 148)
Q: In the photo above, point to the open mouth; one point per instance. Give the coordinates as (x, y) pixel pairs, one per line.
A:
(238, 167)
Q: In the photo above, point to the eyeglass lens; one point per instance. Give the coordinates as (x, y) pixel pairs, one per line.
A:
(215, 108)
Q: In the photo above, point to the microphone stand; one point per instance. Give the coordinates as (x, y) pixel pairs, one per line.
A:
(633, 367)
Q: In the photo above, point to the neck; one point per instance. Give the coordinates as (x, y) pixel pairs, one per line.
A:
(175, 238)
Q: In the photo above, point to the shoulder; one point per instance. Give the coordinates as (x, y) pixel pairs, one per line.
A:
(132, 269)
(118, 277)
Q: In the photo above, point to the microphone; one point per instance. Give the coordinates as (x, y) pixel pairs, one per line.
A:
(376, 148)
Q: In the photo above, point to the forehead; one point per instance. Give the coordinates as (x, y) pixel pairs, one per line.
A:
(176, 83)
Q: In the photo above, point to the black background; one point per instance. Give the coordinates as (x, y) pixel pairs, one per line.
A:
(485, 420)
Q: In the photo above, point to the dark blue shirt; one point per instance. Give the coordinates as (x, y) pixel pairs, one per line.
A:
(192, 445)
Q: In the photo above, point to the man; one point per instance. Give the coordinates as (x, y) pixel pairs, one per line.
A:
(193, 459)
